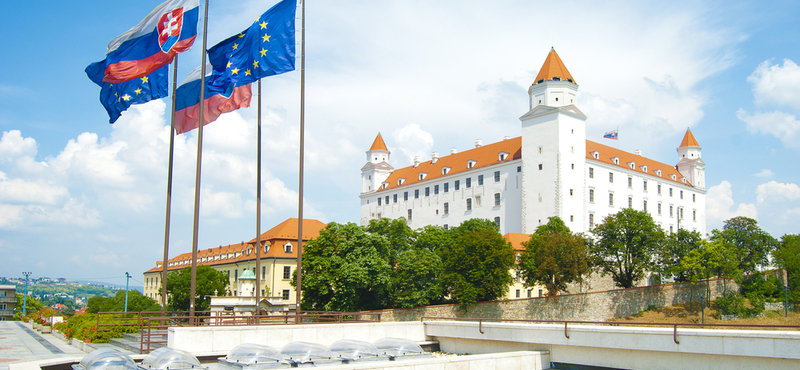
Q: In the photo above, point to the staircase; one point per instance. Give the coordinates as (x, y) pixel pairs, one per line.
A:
(132, 341)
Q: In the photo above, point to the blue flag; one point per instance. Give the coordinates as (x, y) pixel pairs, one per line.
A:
(118, 97)
(265, 49)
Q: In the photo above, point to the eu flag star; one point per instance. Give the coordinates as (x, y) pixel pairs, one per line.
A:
(255, 64)
(229, 65)
(241, 35)
(144, 79)
(266, 37)
(126, 97)
(247, 72)
(263, 52)
(235, 71)
(263, 25)
(138, 91)
(235, 46)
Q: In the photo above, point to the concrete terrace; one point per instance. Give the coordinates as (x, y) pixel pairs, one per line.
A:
(20, 343)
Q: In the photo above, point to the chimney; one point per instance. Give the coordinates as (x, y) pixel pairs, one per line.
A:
(434, 157)
(478, 143)
(638, 152)
(416, 161)
(453, 150)
(506, 138)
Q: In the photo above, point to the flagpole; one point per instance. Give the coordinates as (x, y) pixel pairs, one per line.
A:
(617, 137)
(299, 269)
(258, 204)
(192, 288)
(169, 188)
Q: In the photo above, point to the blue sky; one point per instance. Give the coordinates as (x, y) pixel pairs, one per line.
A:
(83, 199)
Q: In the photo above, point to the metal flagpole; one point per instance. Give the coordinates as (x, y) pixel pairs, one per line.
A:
(192, 288)
(299, 270)
(169, 188)
(258, 205)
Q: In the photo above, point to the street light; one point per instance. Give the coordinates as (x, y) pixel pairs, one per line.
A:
(25, 297)
(127, 279)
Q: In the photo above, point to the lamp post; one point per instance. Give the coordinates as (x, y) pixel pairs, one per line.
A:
(786, 300)
(25, 297)
(127, 279)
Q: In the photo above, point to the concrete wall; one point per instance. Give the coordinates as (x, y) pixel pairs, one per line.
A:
(626, 347)
(528, 360)
(221, 339)
(593, 306)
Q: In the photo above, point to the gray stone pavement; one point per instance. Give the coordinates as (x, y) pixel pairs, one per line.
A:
(20, 343)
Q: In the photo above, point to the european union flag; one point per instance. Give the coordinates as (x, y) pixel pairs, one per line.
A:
(118, 97)
(265, 49)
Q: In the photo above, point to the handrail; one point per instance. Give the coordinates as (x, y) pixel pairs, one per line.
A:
(674, 325)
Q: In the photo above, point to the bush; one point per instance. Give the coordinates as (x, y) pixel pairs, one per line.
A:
(769, 287)
(731, 303)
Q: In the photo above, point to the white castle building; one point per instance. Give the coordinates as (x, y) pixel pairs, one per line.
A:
(551, 170)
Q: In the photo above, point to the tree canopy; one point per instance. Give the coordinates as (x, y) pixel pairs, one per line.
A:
(136, 303)
(676, 248)
(416, 280)
(346, 269)
(710, 259)
(625, 246)
(787, 256)
(477, 262)
(209, 282)
(753, 244)
(554, 257)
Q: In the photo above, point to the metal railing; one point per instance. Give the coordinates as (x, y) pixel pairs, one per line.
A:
(674, 325)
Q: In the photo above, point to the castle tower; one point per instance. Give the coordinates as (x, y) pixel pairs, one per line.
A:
(690, 165)
(553, 150)
(377, 169)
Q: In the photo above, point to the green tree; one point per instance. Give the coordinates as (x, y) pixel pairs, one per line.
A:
(477, 262)
(710, 259)
(416, 279)
(554, 257)
(675, 248)
(787, 256)
(209, 282)
(432, 238)
(31, 304)
(136, 303)
(753, 244)
(346, 269)
(397, 232)
(625, 246)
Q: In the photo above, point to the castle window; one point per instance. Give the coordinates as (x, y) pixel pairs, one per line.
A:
(645, 185)
(480, 180)
(387, 200)
(496, 176)
(287, 248)
(644, 168)
(693, 198)
(591, 220)
(610, 199)
(644, 207)
(446, 208)
(573, 166)
(659, 208)
(416, 193)
(503, 156)
(616, 160)
(496, 199)
(456, 184)
(446, 227)
(436, 189)
(538, 82)
(540, 166)
(422, 176)
(471, 163)
(630, 182)
(591, 195)
(630, 202)
(469, 204)
(591, 172)
(409, 215)
(571, 218)
(287, 272)
(670, 191)
(659, 189)
(469, 182)
(670, 211)
(611, 177)
(400, 181)
(497, 222)
(556, 79)
(379, 200)
(405, 196)
(395, 198)
(694, 215)
(540, 150)
(445, 170)
(681, 194)
(632, 165)
(570, 192)
(446, 187)
(519, 168)
(285, 295)
(596, 154)
(658, 173)
(384, 185)
(427, 191)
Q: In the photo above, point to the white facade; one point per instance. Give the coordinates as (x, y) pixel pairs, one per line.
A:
(551, 170)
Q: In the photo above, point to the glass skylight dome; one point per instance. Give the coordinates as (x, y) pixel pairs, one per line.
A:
(106, 359)
(397, 348)
(353, 350)
(307, 353)
(253, 356)
(171, 359)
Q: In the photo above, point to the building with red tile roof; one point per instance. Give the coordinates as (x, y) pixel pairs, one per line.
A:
(550, 170)
(278, 262)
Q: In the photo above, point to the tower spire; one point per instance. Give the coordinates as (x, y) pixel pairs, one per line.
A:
(553, 69)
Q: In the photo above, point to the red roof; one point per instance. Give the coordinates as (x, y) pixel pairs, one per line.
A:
(688, 139)
(553, 67)
(378, 144)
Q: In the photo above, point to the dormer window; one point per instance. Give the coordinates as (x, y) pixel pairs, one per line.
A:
(683, 179)
(384, 185)
(673, 177)
(596, 155)
(471, 163)
(615, 160)
(422, 176)
(644, 168)
(287, 248)
(658, 173)
(540, 81)
(503, 156)
(556, 78)
(400, 181)
(570, 80)
(445, 170)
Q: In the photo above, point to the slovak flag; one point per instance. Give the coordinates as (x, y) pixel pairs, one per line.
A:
(611, 135)
(168, 30)
(221, 96)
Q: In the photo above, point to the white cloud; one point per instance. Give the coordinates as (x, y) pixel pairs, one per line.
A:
(21, 191)
(764, 173)
(12, 144)
(220, 204)
(781, 125)
(413, 141)
(719, 201)
(775, 192)
(776, 85)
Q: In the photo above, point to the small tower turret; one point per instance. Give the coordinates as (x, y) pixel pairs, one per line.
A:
(377, 169)
(554, 85)
(690, 165)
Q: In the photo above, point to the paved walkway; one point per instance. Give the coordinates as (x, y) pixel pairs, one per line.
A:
(20, 343)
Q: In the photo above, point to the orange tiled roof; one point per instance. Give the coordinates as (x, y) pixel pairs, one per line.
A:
(516, 240)
(553, 67)
(483, 156)
(606, 154)
(378, 144)
(688, 139)
(275, 238)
